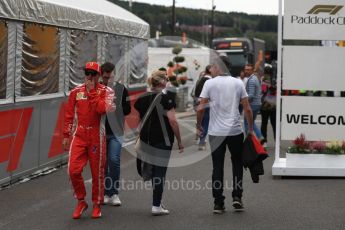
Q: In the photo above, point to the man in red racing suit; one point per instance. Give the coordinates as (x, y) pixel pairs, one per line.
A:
(87, 105)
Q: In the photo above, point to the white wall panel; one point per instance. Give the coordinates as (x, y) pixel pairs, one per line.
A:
(313, 68)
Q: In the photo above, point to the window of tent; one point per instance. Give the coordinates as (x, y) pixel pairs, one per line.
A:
(3, 58)
(138, 61)
(115, 52)
(40, 60)
(83, 49)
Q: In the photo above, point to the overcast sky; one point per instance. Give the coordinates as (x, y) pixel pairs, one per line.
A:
(247, 6)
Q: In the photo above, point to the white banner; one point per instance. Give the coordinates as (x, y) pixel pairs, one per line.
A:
(319, 118)
(314, 19)
(313, 68)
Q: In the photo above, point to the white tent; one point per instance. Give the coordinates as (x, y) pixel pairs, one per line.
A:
(95, 15)
(44, 45)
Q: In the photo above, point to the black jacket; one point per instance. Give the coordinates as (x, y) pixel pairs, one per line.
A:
(199, 85)
(123, 108)
(252, 157)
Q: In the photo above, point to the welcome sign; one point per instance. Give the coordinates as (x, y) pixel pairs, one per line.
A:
(319, 118)
(314, 19)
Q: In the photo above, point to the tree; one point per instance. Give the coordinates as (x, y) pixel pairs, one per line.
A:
(175, 68)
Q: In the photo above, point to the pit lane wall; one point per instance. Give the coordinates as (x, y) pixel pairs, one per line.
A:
(44, 46)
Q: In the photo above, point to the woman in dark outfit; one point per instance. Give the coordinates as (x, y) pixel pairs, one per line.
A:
(158, 132)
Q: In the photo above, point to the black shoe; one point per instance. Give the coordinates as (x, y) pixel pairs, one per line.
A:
(237, 204)
(218, 209)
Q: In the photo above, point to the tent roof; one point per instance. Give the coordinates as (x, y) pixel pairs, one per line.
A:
(95, 15)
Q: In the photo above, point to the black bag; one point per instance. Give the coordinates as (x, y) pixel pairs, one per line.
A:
(144, 169)
(269, 102)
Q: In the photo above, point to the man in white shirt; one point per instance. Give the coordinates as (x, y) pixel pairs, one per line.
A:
(222, 95)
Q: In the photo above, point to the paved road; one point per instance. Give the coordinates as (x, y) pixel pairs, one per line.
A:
(274, 203)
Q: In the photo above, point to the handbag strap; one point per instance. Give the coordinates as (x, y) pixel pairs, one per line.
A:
(148, 112)
(160, 111)
(164, 129)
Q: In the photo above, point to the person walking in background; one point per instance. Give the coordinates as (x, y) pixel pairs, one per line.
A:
(196, 102)
(192, 94)
(244, 79)
(115, 133)
(269, 103)
(158, 132)
(223, 94)
(206, 117)
(87, 105)
(253, 88)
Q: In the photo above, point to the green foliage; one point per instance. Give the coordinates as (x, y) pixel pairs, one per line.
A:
(172, 78)
(267, 23)
(182, 69)
(179, 59)
(176, 50)
(178, 69)
(231, 24)
(296, 149)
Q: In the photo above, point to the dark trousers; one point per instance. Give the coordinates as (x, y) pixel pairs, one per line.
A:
(265, 115)
(204, 124)
(158, 174)
(218, 148)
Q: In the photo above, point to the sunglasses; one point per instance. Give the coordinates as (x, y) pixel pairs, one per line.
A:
(91, 72)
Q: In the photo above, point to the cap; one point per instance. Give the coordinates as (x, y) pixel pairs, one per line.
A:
(93, 66)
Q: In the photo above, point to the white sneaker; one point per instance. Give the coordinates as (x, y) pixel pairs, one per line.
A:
(202, 147)
(106, 199)
(159, 211)
(115, 200)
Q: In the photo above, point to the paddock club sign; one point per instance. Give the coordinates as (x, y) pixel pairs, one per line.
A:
(310, 19)
(331, 10)
(319, 118)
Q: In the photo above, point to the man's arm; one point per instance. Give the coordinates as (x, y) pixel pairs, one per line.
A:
(69, 117)
(250, 88)
(174, 126)
(248, 114)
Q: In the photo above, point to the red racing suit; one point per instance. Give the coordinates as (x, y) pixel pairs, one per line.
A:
(85, 114)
